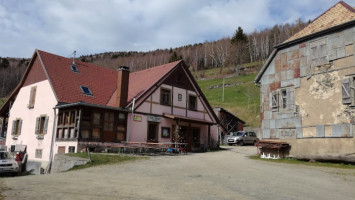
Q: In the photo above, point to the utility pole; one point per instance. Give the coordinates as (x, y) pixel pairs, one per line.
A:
(223, 91)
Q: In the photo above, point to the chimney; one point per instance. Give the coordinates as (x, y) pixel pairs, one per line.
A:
(122, 86)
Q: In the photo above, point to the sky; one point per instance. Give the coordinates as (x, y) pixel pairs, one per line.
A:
(96, 26)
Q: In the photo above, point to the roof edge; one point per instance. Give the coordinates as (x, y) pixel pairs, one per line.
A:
(299, 40)
(265, 66)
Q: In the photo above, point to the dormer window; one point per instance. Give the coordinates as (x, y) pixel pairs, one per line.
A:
(74, 68)
(85, 90)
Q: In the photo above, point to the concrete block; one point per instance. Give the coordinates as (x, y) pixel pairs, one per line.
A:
(299, 132)
(266, 133)
(341, 130)
(320, 131)
(63, 163)
(272, 124)
(266, 124)
(349, 36)
(290, 74)
(283, 76)
(341, 52)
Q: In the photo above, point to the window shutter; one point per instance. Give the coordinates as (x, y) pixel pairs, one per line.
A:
(45, 125)
(275, 100)
(38, 122)
(19, 126)
(32, 97)
(13, 127)
(346, 93)
(290, 99)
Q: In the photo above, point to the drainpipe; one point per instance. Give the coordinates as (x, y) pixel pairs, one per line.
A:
(48, 170)
(130, 121)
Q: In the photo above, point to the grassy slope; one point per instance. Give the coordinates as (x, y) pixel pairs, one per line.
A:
(235, 97)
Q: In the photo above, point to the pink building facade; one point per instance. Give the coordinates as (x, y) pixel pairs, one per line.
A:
(63, 106)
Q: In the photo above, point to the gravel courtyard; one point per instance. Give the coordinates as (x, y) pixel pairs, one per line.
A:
(227, 174)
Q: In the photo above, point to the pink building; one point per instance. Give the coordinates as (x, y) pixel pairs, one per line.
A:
(61, 106)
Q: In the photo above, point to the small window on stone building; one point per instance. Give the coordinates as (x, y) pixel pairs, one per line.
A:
(348, 90)
(286, 99)
(319, 52)
(38, 153)
(31, 104)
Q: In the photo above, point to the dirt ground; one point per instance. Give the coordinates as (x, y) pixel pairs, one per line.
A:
(228, 174)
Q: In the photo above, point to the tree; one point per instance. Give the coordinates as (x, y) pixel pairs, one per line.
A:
(239, 36)
(175, 57)
(241, 52)
(4, 63)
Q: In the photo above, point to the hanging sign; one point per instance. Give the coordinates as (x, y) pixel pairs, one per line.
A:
(137, 118)
(153, 119)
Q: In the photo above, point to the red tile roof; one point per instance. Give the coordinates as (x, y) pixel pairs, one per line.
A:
(101, 81)
(142, 80)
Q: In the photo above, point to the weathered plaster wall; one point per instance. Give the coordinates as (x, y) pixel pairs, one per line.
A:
(318, 123)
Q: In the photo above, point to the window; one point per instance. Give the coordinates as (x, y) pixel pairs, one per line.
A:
(179, 97)
(71, 149)
(165, 132)
(165, 97)
(16, 127)
(74, 68)
(152, 132)
(275, 100)
(319, 53)
(38, 153)
(348, 90)
(196, 136)
(86, 90)
(31, 104)
(108, 123)
(192, 102)
(284, 98)
(121, 127)
(41, 125)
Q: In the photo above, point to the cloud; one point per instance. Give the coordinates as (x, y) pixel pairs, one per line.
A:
(139, 25)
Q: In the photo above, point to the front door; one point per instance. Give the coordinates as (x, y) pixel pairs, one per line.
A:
(109, 134)
(152, 135)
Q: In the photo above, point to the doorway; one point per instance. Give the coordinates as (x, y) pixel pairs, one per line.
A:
(152, 135)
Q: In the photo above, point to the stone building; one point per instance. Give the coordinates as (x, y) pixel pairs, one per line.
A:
(307, 87)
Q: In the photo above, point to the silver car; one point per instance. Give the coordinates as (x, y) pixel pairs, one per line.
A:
(242, 137)
(8, 164)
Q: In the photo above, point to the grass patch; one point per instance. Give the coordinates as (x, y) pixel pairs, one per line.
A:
(306, 163)
(103, 159)
(242, 98)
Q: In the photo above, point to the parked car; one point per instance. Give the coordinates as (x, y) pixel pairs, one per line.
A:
(8, 163)
(242, 137)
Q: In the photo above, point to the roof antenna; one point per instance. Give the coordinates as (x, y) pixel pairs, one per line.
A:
(74, 53)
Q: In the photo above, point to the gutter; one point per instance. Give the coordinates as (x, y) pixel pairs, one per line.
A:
(68, 105)
(49, 166)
